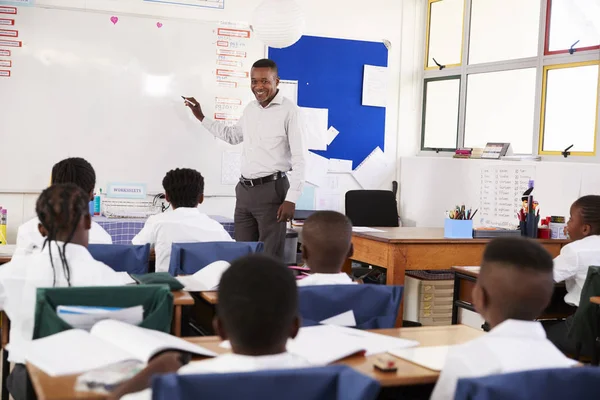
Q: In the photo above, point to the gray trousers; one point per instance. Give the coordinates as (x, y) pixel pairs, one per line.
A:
(256, 215)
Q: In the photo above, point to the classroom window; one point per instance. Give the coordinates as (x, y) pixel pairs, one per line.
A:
(503, 30)
(570, 108)
(444, 32)
(572, 23)
(440, 116)
(500, 108)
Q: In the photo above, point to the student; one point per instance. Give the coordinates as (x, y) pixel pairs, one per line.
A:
(184, 189)
(71, 170)
(64, 260)
(257, 313)
(326, 245)
(514, 286)
(571, 266)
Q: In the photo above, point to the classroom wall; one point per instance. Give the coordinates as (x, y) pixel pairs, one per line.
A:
(349, 19)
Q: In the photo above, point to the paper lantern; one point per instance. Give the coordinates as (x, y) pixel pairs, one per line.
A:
(278, 23)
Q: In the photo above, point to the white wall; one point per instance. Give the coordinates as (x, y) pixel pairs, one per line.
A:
(349, 19)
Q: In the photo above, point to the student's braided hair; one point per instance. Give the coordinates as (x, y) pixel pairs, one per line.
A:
(589, 207)
(59, 209)
(75, 170)
(184, 187)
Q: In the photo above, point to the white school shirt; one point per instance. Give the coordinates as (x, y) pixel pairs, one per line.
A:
(30, 240)
(572, 265)
(326, 279)
(20, 278)
(182, 225)
(272, 141)
(512, 346)
(231, 363)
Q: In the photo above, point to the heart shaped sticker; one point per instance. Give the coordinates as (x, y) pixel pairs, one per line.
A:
(159, 24)
(114, 20)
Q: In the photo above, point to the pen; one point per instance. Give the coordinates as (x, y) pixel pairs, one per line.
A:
(188, 101)
(475, 212)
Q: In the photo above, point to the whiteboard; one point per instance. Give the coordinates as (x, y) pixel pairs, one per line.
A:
(85, 86)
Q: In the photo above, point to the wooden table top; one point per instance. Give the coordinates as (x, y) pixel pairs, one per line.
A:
(49, 388)
(470, 271)
(210, 297)
(423, 235)
(182, 298)
(595, 300)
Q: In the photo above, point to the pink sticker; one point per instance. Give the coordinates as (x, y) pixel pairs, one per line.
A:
(114, 20)
(159, 24)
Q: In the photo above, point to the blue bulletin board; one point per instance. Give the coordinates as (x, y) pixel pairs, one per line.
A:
(330, 75)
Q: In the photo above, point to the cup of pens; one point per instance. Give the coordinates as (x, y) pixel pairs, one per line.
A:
(459, 223)
(529, 215)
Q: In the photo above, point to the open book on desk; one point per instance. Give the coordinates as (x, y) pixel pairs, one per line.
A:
(109, 342)
(206, 279)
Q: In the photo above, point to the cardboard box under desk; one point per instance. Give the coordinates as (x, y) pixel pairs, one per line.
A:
(426, 301)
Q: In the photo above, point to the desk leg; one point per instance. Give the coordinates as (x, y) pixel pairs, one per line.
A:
(395, 271)
(176, 328)
(5, 373)
(455, 299)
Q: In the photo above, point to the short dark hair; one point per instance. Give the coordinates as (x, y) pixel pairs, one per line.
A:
(516, 273)
(258, 302)
(266, 63)
(75, 170)
(59, 209)
(328, 236)
(589, 207)
(184, 187)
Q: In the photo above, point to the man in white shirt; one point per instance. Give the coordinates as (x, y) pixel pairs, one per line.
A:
(572, 265)
(273, 152)
(326, 245)
(64, 261)
(513, 288)
(258, 313)
(184, 189)
(71, 170)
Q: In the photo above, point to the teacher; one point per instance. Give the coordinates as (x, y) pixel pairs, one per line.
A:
(273, 159)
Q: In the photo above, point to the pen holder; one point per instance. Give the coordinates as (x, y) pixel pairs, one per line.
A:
(458, 228)
(529, 227)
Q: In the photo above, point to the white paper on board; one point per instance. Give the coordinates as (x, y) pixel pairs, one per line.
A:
(375, 86)
(331, 134)
(340, 166)
(316, 169)
(289, 90)
(314, 122)
(373, 171)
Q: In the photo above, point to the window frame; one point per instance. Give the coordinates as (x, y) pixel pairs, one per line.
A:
(547, 51)
(423, 114)
(428, 32)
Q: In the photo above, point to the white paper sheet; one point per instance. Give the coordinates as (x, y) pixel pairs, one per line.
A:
(316, 169)
(375, 86)
(432, 357)
(344, 319)
(289, 90)
(206, 279)
(231, 168)
(373, 171)
(359, 229)
(331, 134)
(315, 123)
(326, 200)
(375, 343)
(340, 166)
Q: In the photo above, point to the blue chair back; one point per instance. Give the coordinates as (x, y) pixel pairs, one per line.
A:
(326, 383)
(188, 258)
(374, 306)
(579, 383)
(129, 258)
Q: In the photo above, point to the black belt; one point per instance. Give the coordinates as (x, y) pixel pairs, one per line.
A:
(260, 181)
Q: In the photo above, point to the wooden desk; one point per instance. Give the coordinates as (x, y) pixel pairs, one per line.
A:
(48, 388)
(401, 249)
(180, 298)
(6, 253)
(465, 279)
(210, 297)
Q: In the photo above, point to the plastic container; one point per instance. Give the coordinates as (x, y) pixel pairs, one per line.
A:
(458, 228)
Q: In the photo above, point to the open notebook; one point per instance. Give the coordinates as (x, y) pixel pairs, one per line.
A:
(432, 357)
(207, 279)
(109, 342)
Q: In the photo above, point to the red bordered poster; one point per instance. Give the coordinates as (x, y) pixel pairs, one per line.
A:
(4, 53)
(9, 33)
(8, 10)
(5, 63)
(4, 73)
(10, 43)
(6, 22)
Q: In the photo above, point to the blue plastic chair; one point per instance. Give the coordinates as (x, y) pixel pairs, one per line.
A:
(133, 259)
(374, 306)
(325, 383)
(188, 258)
(579, 383)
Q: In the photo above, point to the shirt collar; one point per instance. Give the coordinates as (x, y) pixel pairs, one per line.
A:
(278, 99)
(71, 249)
(517, 328)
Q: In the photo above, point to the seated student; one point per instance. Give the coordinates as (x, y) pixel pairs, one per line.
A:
(257, 313)
(514, 286)
(326, 245)
(571, 266)
(64, 260)
(71, 170)
(184, 189)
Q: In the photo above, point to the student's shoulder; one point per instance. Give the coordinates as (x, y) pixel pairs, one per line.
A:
(591, 242)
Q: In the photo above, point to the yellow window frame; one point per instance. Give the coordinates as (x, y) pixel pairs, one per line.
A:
(427, 31)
